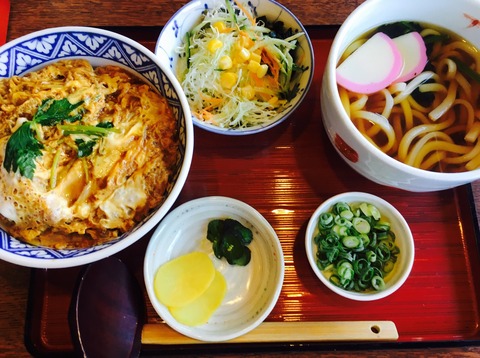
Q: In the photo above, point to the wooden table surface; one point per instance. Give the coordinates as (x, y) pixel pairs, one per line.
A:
(28, 16)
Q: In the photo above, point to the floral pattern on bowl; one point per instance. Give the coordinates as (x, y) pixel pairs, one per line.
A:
(173, 34)
(101, 48)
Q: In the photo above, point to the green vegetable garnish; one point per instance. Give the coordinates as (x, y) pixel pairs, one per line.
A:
(23, 146)
(52, 112)
(21, 151)
(399, 28)
(85, 148)
(467, 71)
(230, 239)
(101, 129)
(355, 246)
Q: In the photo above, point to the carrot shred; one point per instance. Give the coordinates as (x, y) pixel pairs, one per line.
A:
(246, 12)
(272, 63)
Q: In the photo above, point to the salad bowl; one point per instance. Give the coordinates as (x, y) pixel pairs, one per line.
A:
(173, 37)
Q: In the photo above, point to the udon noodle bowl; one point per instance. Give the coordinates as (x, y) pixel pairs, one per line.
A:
(86, 153)
(431, 122)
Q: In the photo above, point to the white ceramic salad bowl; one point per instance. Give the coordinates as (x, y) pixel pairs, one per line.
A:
(173, 36)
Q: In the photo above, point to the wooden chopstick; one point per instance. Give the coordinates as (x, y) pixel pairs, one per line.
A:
(270, 332)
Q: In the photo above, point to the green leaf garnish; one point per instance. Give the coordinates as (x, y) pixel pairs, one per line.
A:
(52, 112)
(23, 147)
(21, 151)
(85, 148)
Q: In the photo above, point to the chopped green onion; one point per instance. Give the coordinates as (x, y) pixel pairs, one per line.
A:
(340, 207)
(371, 256)
(378, 283)
(351, 242)
(388, 266)
(361, 225)
(356, 246)
(347, 214)
(326, 221)
(382, 226)
(53, 170)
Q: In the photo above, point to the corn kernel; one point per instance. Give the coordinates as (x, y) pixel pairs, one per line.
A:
(214, 44)
(225, 62)
(243, 55)
(253, 66)
(273, 101)
(248, 92)
(255, 57)
(262, 70)
(220, 26)
(228, 80)
(246, 41)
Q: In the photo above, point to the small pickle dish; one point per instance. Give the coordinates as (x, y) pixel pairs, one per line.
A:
(244, 66)
(249, 285)
(99, 47)
(359, 246)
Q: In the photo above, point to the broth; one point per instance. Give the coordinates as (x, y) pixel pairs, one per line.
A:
(432, 121)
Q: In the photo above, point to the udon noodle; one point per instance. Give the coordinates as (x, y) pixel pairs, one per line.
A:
(441, 135)
(85, 189)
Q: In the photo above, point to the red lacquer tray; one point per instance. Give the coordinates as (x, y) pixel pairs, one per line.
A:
(285, 174)
(4, 16)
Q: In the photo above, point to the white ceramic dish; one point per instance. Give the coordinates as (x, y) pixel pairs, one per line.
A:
(252, 290)
(404, 240)
(100, 47)
(357, 151)
(173, 35)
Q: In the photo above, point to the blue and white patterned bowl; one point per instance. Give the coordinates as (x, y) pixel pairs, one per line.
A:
(173, 35)
(100, 48)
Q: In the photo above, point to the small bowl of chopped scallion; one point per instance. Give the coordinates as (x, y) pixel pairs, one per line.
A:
(359, 246)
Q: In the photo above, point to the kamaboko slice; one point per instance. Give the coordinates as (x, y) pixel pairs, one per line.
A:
(414, 53)
(372, 67)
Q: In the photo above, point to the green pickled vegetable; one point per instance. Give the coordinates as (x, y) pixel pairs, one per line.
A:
(355, 246)
(229, 240)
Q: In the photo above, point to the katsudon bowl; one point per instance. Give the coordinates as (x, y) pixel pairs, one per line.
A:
(100, 48)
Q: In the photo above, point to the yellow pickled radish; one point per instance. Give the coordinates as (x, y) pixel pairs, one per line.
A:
(200, 310)
(183, 279)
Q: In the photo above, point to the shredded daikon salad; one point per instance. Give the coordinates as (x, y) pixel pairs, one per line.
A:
(238, 70)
